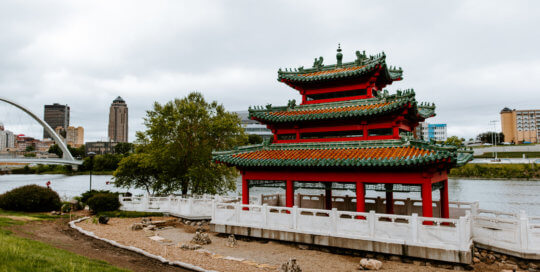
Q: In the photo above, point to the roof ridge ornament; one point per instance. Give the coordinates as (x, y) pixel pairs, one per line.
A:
(318, 63)
(339, 56)
(360, 57)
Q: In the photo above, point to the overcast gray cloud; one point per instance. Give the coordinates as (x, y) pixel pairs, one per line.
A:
(471, 58)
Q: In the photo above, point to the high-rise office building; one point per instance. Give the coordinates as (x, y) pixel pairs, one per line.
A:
(520, 126)
(7, 139)
(118, 121)
(56, 115)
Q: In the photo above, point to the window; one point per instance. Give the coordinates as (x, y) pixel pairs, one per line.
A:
(380, 132)
(286, 137)
(332, 134)
(337, 94)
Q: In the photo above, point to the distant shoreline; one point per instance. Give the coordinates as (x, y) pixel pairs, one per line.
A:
(481, 178)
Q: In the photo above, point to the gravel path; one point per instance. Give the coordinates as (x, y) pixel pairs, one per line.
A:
(251, 256)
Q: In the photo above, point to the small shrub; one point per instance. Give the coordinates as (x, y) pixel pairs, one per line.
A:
(66, 207)
(30, 198)
(89, 194)
(104, 202)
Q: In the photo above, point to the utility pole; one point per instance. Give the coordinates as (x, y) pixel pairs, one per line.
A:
(494, 136)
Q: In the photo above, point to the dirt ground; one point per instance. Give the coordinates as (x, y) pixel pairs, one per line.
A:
(58, 234)
(250, 256)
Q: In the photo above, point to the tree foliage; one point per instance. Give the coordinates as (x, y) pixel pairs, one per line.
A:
(254, 139)
(76, 152)
(140, 171)
(123, 148)
(178, 142)
(491, 137)
(454, 140)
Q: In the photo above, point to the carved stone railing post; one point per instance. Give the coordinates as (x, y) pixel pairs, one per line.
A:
(413, 222)
(523, 230)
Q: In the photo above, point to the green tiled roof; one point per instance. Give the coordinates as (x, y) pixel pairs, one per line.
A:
(361, 66)
(401, 153)
(383, 104)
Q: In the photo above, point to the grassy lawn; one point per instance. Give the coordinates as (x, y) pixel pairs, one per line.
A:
(504, 155)
(21, 254)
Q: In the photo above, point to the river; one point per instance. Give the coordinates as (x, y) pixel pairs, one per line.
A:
(500, 195)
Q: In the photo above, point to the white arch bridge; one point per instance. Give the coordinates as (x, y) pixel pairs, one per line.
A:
(67, 158)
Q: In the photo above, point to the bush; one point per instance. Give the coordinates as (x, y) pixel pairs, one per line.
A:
(89, 194)
(104, 202)
(30, 198)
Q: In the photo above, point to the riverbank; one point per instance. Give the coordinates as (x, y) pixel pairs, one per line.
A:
(497, 171)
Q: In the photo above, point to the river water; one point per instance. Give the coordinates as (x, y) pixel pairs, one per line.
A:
(500, 195)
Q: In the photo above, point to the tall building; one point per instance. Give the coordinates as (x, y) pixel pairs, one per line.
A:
(520, 126)
(56, 115)
(427, 131)
(7, 139)
(252, 126)
(118, 121)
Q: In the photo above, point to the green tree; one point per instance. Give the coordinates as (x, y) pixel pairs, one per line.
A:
(254, 139)
(179, 138)
(454, 140)
(123, 148)
(491, 137)
(30, 148)
(138, 170)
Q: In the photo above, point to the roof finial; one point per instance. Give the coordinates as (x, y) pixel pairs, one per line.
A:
(339, 56)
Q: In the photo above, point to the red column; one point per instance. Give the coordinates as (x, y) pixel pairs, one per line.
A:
(328, 196)
(389, 199)
(445, 209)
(427, 203)
(245, 192)
(360, 198)
(289, 194)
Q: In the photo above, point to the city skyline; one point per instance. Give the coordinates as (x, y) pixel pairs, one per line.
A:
(464, 60)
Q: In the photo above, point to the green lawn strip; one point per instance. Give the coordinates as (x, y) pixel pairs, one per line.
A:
(21, 254)
(487, 171)
(34, 215)
(510, 155)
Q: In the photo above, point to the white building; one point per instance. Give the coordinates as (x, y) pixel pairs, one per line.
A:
(252, 126)
(7, 139)
(428, 131)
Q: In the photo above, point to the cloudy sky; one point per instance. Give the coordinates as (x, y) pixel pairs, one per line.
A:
(471, 58)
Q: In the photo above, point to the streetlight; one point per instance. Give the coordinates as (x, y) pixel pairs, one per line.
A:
(495, 135)
(91, 155)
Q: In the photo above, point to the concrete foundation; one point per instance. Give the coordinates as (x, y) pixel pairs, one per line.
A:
(453, 256)
(522, 255)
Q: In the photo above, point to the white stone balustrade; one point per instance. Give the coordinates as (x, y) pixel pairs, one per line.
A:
(398, 229)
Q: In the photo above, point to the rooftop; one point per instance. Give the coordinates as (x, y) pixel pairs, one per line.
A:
(357, 154)
(380, 105)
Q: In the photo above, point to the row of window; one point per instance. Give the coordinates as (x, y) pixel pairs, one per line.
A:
(336, 134)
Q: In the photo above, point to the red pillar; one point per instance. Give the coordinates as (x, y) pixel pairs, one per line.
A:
(289, 194)
(328, 196)
(445, 209)
(245, 191)
(360, 198)
(427, 203)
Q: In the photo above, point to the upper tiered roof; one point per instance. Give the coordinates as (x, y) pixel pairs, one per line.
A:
(364, 154)
(363, 65)
(381, 105)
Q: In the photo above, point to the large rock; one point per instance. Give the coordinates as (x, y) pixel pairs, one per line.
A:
(231, 241)
(103, 219)
(189, 246)
(201, 238)
(370, 264)
(290, 266)
(137, 226)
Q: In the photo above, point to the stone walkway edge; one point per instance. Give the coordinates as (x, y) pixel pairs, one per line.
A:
(135, 249)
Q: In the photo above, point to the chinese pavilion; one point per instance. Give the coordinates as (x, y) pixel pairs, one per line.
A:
(348, 133)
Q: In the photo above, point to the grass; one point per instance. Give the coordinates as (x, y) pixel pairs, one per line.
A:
(129, 214)
(489, 171)
(21, 254)
(505, 155)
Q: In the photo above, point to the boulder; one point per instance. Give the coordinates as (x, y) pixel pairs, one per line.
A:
(201, 238)
(103, 219)
(490, 259)
(146, 220)
(290, 266)
(476, 260)
(137, 226)
(150, 227)
(231, 241)
(370, 264)
(189, 246)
